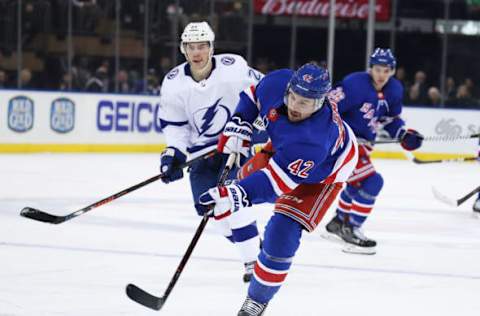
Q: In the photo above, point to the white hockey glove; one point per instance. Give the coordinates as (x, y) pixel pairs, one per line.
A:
(225, 200)
(236, 138)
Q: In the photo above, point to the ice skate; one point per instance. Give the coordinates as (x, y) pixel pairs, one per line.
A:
(333, 230)
(356, 242)
(252, 308)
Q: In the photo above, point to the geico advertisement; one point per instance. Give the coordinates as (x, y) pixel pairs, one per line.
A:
(48, 117)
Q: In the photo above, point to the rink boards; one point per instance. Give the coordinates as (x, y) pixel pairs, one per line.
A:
(33, 121)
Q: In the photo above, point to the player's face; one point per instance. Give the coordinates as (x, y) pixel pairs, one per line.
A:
(198, 54)
(299, 108)
(380, 75)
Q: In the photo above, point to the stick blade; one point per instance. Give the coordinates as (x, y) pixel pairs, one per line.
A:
(146, 299)
(443, 198)
(37, 215)
(418, 161)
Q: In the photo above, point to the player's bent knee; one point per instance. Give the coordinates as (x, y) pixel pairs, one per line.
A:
(282, 236)
(373, 184)
(351, 191)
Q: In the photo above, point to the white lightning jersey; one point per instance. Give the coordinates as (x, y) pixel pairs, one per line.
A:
(193, 114)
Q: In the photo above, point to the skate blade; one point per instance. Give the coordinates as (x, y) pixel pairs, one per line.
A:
(349, 248)
(331, 237)
(476, 214)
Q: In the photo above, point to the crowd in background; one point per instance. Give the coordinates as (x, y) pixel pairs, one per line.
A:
(419, 91)
(98, 74)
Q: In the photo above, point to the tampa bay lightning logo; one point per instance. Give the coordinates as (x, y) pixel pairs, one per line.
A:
(172, 74)
(227, 60)
(210, 121)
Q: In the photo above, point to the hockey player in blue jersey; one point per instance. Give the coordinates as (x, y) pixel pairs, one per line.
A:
(366, 100)
(312, 152)
(197, 99)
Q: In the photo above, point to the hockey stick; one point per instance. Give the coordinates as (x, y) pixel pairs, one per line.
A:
(38, 215)
(460, 159)
(429, 138)
(447, 200)
(154, 302)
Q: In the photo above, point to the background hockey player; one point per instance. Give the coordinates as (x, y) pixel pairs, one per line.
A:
(314, 152)
(197, 99)
(366, 100)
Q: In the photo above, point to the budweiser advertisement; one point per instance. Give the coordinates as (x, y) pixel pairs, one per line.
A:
(348, 9)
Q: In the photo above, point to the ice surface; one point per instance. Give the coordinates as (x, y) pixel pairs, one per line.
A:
(427, 261)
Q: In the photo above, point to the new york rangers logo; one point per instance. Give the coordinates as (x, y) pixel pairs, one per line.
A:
(308, 78)
(210, 121)
(272, 115)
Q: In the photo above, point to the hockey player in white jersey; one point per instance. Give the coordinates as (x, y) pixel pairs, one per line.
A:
(197, 99)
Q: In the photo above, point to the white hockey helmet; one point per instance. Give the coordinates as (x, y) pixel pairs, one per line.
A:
(196, 32)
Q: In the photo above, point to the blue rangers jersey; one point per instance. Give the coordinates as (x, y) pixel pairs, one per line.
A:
(365, 109)
(193, 114)
(310, 151)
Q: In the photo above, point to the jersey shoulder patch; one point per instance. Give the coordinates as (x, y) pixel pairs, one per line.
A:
(227, 60)
(173, 73)
(230, 59)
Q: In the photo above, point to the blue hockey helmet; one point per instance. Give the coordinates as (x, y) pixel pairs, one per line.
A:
(311, 81)
(383, 56)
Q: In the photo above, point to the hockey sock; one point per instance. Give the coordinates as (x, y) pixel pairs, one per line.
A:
(247, 241)
(224, 229)
(245, 233)
(344, 205)
(282, 239)
(364, 200)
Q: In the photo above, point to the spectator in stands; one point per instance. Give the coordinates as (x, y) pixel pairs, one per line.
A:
(434, 97)
(463, 99)
(97, 82)
(124, 85)
(82, 74)
(401, 76)
(418, 90)
(66, 83)
(471, 87)
(26, 79)
(70, 82)
(153, 83)
(451, 89)
(3, 79)
(150, 86)
(413, 94)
